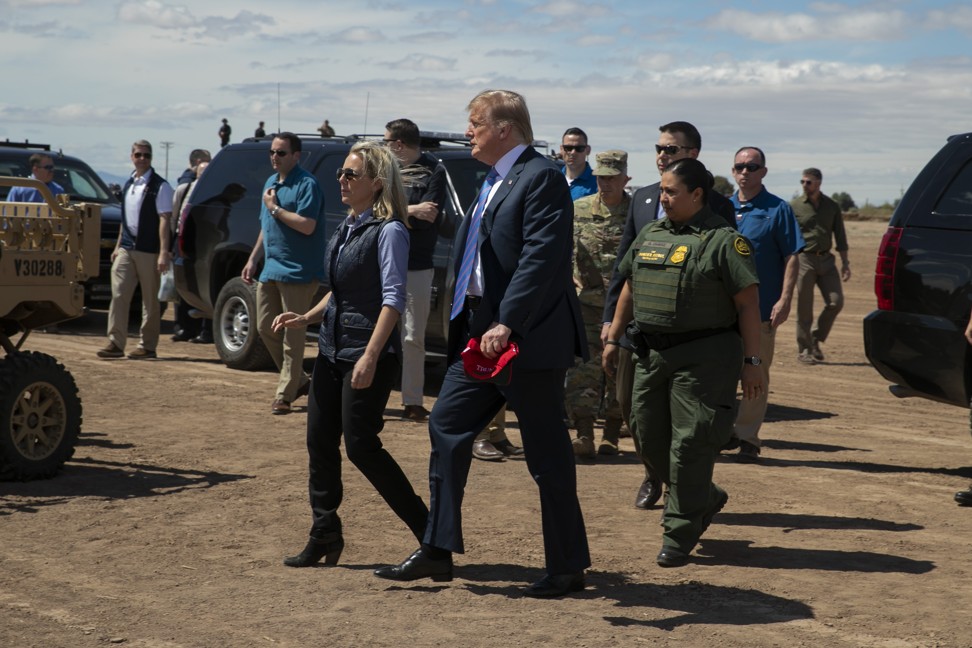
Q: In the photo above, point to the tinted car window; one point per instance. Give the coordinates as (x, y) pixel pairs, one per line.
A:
(957, 198)
(467, 175)
(80, 182)
(250, 169)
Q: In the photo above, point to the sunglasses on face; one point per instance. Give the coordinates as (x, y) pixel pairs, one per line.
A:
(568, 148)
(142, 156)
(279, 152)
(46, 167)
(350, 174)
(671, 149)
(752, 167)
(806, 182)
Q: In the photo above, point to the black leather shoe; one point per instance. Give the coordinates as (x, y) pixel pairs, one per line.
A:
(416, 566)
(672, 557)
(329, 547)
(554, 585)
(964, 498)
(719, 504)
(205, 337)
(303, 390)
(748, 452)
(649, 493)
(508, 448)
(486, 451)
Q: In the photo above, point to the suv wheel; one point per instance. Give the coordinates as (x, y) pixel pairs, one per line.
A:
(234, 328)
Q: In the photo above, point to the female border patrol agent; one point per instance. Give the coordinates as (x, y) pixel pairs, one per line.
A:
(691, 291)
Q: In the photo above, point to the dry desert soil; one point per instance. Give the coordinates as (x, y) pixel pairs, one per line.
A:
(168, 527)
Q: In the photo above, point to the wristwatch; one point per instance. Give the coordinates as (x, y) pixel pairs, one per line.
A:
(275, 211)
(753, 360)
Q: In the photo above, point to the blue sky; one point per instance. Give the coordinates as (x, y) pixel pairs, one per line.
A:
(865, 91)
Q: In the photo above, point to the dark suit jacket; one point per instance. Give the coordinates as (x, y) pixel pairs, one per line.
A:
(643, 209)
(526, 243)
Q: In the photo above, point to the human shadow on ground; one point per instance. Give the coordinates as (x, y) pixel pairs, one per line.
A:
(796, 522)
(101, 440)
(697, 603)
(779, 444)
(775, 412)
(108, 480)
(866, 467)
(740, 553)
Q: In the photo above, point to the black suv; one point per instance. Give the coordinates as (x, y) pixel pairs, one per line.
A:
(923, 283)
(83, 185)
(222, 223)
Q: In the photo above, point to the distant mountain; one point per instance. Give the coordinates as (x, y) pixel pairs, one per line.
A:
(110, 178)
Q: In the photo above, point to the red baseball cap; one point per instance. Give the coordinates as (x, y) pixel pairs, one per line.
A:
(497, 370)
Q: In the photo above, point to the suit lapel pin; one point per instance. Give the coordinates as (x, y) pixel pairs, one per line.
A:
(648, 201)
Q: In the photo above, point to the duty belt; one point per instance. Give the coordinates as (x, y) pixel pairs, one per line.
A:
(642, 341)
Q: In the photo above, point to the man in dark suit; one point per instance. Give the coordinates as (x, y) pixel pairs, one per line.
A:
(514, 284)
(676, 140)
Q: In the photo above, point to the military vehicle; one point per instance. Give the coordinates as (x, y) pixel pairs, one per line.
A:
(46, 251)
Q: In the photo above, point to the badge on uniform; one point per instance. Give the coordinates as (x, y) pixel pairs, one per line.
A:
(678, 256)
(742, 246)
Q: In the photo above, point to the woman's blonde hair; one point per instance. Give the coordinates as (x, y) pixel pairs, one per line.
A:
(381, 164)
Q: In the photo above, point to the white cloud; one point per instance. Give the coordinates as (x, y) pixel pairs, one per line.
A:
(955, 17)
(156, 14)
(356, 35)
(424, 63)
(775, 27)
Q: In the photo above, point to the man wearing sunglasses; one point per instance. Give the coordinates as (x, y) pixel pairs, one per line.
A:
(291, 246)
(769, 224)
(42, 169)
(424, 178)
(676, 140)
(822, 225)
(574, 151)
(143, 252)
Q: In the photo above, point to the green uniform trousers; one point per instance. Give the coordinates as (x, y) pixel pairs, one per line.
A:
(682, 409)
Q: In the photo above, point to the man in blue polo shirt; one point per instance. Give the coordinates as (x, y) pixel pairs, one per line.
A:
(574, 150)
(768, 222)
(291, 243)
(41, 168)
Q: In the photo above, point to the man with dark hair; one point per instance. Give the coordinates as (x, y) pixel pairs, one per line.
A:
(290, 244)
(676, 140)
(143, 252)
(513, 284)
(574, 151)
(768, 222)
(260, 132)
(42, 169)
(424, 178)
(822, 225)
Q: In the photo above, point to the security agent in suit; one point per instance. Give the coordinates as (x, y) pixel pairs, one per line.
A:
(521, 290)
(676, 140)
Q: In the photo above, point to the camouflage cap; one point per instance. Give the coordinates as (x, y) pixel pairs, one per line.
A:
(610, 163)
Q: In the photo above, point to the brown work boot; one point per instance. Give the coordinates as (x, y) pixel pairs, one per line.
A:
(111, 351)
(609, 440)
(141, 353)
(584, 443)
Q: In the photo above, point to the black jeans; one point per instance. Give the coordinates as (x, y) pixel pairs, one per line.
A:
(336, 410)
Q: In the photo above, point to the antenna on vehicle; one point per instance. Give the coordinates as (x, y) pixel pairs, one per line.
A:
(367, 101)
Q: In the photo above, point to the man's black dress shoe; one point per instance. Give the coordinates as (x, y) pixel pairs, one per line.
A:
(486, 451)
(416, 566)
(508, 448)
(672, 557)
(964, 498)
(554, 585)
(649, 493)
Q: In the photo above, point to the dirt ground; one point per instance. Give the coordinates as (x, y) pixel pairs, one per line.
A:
(168, 528)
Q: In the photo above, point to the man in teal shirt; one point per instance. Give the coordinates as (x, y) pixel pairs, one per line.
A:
(291, 243)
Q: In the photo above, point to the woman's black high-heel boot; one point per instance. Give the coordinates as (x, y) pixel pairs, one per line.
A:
(329, 547)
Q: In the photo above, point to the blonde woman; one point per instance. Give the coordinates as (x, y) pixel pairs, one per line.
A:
(367, 260)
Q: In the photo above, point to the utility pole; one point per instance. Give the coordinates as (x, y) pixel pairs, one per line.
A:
(167, 146)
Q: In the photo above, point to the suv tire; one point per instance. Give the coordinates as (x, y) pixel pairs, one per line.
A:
(235, 332)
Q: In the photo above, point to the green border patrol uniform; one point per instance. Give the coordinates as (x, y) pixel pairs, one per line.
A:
(688, 357)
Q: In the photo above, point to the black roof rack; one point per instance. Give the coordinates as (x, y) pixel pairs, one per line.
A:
(26, 144)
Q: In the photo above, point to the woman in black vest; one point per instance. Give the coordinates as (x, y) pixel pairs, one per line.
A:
(367, 258)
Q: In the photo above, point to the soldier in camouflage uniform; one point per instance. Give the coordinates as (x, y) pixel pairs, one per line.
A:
(598, 224)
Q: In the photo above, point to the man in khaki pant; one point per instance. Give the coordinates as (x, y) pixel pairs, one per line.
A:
(142, 253)
(291, 244)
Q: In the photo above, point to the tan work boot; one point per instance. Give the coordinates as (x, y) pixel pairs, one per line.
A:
(584, 443)
(609, 440)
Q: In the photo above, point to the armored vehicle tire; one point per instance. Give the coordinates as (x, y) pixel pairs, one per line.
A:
(40, 416)
(235, 332)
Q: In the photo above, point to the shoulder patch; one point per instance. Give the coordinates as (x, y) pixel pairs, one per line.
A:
(742, 246)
